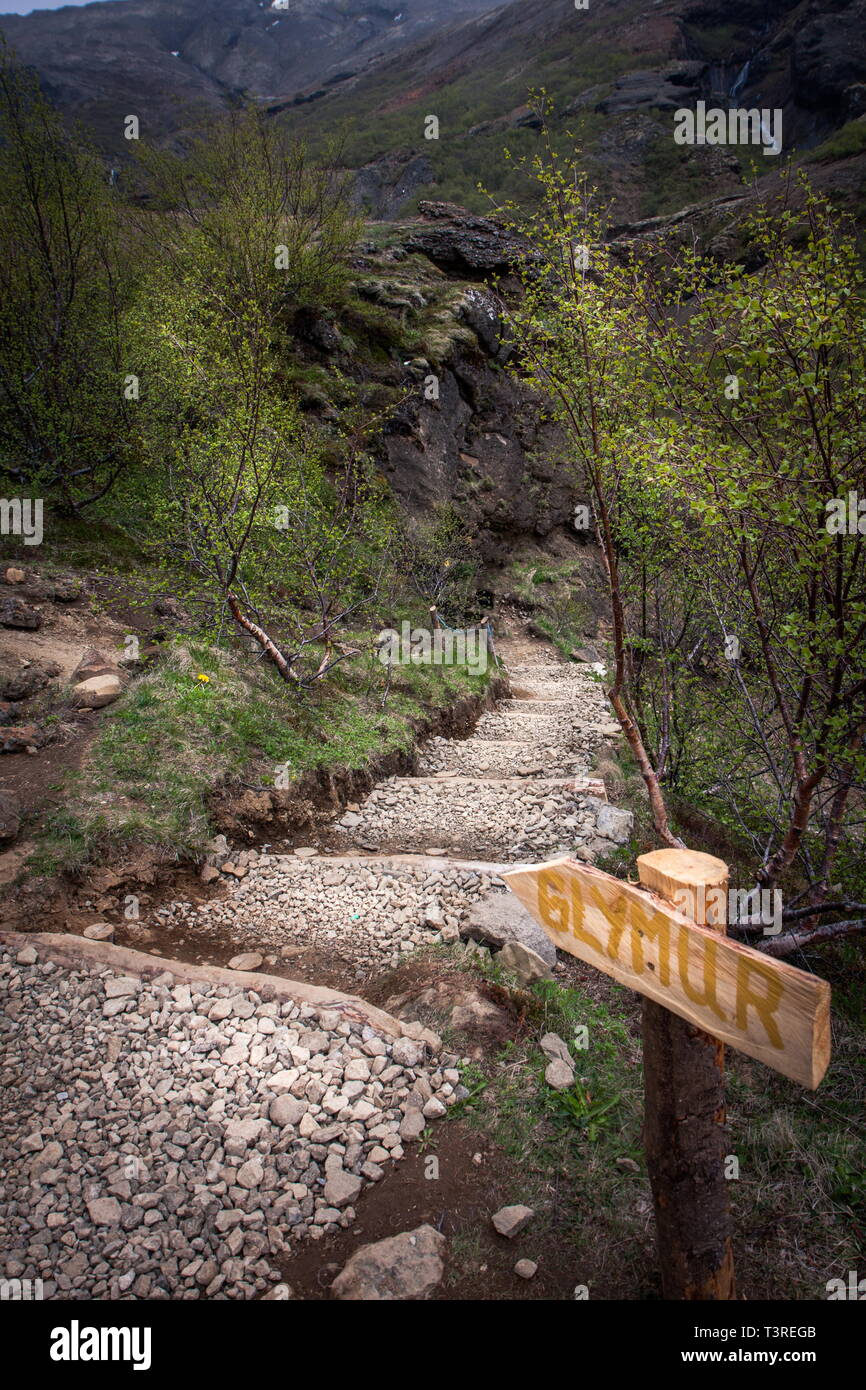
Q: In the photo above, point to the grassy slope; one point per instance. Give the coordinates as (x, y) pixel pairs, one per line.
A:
(386, 112)
(175, 737)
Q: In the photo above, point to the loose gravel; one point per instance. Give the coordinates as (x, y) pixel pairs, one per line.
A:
(163, 1140)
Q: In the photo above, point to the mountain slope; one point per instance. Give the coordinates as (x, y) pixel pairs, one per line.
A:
(615, 74)
(164, 59)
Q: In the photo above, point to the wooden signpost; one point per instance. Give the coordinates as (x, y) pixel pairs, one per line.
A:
(700, 992)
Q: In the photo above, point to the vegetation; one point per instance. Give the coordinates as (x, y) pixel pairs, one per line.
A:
(65, 425)
(204, 720)
(718, 421)
(150, 381)
(577, 1158)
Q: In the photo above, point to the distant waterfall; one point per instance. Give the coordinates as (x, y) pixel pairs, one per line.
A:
(740, 80)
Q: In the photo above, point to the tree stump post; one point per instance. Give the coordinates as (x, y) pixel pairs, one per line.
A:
(685, 1134)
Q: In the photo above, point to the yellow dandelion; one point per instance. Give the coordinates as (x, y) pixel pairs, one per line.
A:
(203, 678)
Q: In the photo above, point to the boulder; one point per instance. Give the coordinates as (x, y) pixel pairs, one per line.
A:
(412, 1125)
(407, 1266)
(104, 1211)
(167, 607)
(481, 311)
(559, 1075)
(27, 680)
(15, 613)
(553, 1046)
(93, 663)
(247, 960)
(17, 738)
(97, 691)
(99, 931)
(527, 965)
(462, 243)
(66, 590)
(614, 824)
(406, 1052)
(287, 1110)
(498, 918)
(665, 89)
(342, 1188)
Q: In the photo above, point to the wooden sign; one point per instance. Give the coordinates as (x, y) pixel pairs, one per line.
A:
(756, 1004)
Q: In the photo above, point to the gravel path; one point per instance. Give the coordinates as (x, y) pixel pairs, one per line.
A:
(162, 1140)
(373, 912)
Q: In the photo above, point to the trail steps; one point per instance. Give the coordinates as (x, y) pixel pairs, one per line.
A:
(405, 868)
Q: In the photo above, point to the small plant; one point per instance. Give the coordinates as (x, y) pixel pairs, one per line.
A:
(578, 1108)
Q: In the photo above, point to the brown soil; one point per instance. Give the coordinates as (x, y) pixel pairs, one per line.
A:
(458, 1197)
(35, 778)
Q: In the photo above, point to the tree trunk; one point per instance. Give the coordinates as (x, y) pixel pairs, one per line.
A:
(264, 641)
(685, 1132)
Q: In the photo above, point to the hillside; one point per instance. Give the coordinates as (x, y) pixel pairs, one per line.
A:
(615, 74)
(180, 58)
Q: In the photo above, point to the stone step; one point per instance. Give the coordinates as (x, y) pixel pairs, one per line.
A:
(532, 728)
(416, 860)
(555, 670)
(588, 786)
(479, 755)
(373, 909)
(536, 704)
(508, 818)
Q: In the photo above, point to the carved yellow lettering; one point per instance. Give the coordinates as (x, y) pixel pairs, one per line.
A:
(578, 928)
(657, 928)
(552, 905)
(765, 1002)
(706, 996)
(617, 913)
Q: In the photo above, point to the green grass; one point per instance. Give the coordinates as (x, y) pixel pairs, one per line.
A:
(173, 739)
(563, 1146)
(556, 594)
(844, 143)
(798, 1202)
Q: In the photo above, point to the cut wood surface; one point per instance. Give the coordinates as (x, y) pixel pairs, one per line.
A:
(761, 1006)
